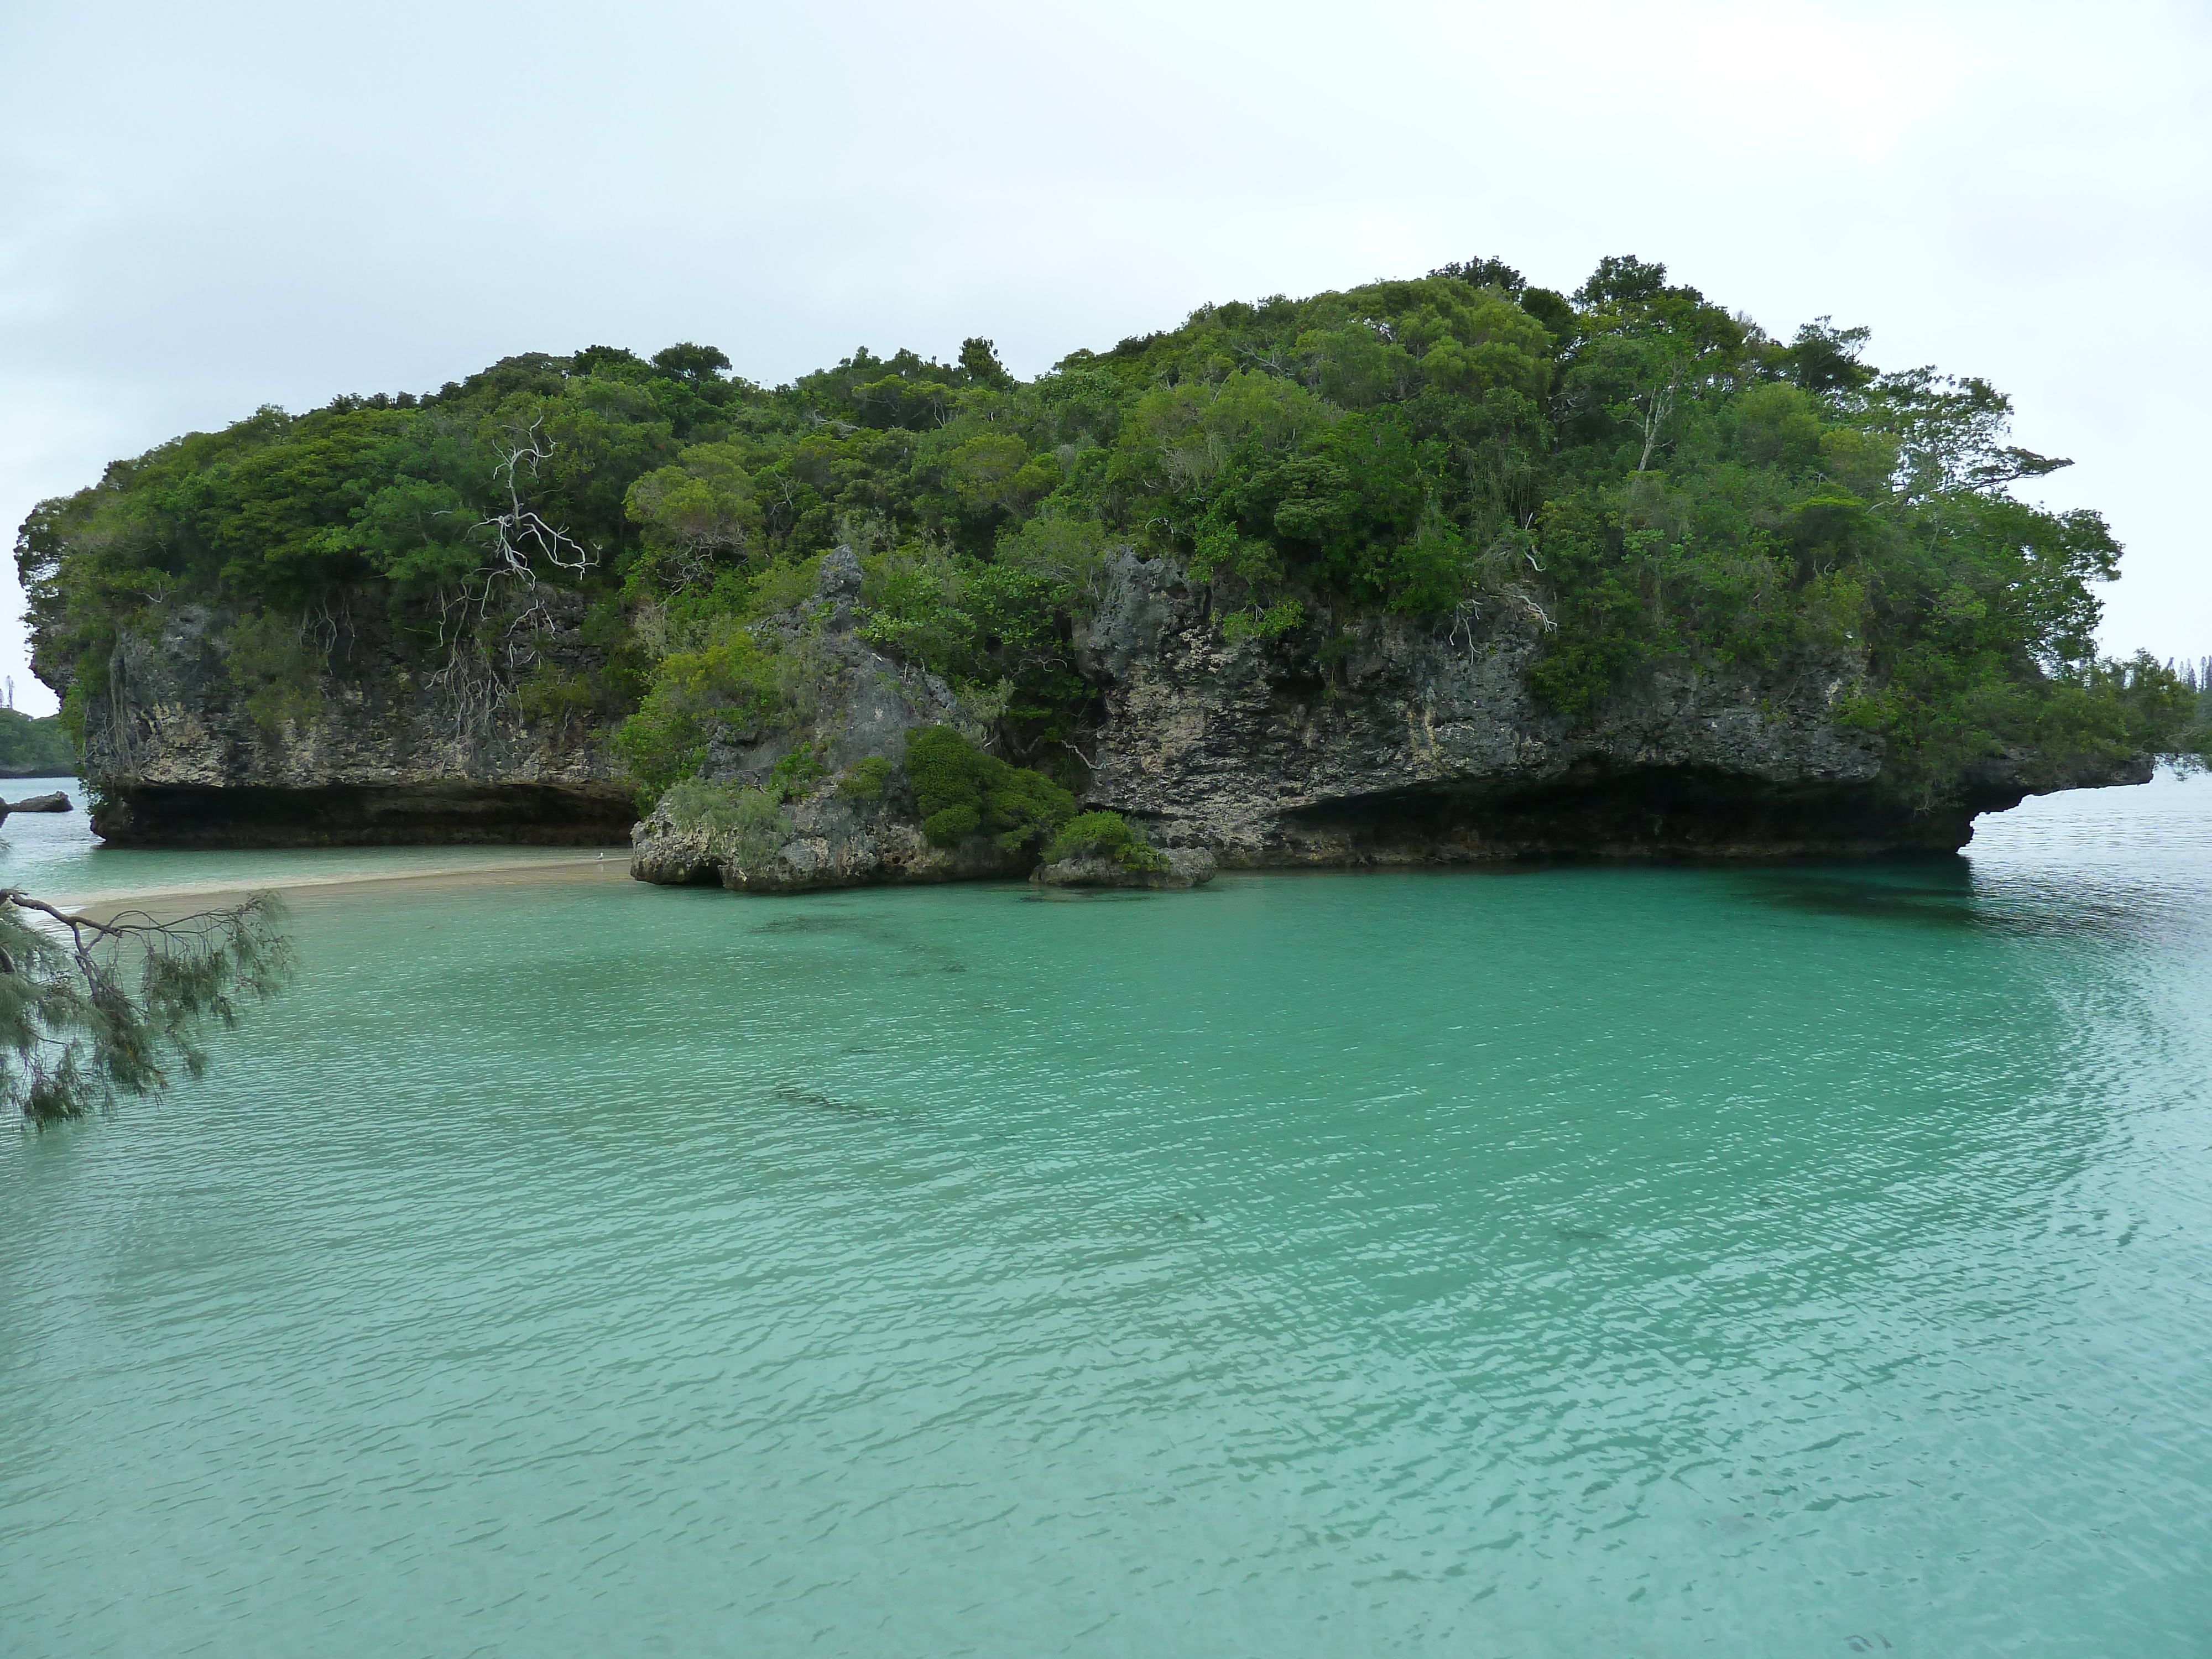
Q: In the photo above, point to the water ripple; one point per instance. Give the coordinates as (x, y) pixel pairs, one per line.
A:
(1615, 1261)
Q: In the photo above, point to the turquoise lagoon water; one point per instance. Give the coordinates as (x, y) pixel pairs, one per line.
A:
(1580, 1261)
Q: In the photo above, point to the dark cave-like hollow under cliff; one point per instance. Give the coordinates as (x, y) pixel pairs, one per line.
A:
(446, 812)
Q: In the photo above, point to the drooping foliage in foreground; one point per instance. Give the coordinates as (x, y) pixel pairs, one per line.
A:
(91, 1010)
(1631, 471)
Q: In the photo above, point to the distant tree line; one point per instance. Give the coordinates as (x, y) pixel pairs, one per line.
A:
(34, 747)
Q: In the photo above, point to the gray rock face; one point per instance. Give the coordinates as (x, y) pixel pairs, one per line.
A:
(824, 842)
(1404, 741)
(1424, 744)
(863, 705)
(1188, 867)
(361, 746)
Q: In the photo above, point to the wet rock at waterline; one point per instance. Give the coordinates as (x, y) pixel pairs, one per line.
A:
(1188, 867)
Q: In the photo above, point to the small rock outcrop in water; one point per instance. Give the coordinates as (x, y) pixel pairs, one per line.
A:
(55, 802)
(1188, 867)
(839, 833)
(834, 835)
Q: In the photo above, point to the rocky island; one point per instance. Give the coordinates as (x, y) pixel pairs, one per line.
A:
(1448, 569)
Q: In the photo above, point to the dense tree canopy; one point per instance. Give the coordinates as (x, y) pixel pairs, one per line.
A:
(1633, 471)
(34, 747)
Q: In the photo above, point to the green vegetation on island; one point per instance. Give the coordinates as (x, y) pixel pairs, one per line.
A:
(1106, 835)
(1635, 471)
(34, 747)
(960, 790)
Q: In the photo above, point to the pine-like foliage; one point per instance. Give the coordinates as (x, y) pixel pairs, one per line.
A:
(90, 1011)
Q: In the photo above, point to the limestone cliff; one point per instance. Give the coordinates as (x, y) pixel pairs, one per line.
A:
(355, 741)
(1424, 744)
(1411, 741)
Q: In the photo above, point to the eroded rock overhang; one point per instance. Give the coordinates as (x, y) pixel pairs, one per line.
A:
(433, 812)
(1667, 813)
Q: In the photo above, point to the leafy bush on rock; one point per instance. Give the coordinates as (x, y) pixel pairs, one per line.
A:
(1107, 835)
(866, 782)
(961, 791)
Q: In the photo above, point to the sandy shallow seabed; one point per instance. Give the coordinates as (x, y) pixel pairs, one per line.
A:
(311, 892)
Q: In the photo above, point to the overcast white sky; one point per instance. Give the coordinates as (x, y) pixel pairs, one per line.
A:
(206, 207)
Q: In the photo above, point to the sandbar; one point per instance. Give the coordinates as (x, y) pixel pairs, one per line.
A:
(171, 900)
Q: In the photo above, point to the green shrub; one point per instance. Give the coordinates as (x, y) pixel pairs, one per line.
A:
(750, 820)
(798, 772)
(866, 782)
(1271, 622)
(784, 584)
(75, 702)
(1106, 834)
(555, 696)
(961, 790)
(693, 804)
(729, 685)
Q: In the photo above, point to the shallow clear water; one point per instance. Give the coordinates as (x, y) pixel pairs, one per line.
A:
(1573, 1262)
